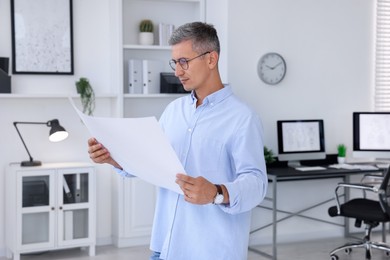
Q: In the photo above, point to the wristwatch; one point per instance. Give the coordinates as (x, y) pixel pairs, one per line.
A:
(218, 199)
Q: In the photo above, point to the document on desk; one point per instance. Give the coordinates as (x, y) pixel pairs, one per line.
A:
(139, 145)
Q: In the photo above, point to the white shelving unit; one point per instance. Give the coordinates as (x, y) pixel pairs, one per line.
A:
(50, 207)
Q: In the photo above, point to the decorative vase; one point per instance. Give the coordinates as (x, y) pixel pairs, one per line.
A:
(340, 160)
(146, 38)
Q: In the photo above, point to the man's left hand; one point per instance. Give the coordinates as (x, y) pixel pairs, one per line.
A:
(196, 190)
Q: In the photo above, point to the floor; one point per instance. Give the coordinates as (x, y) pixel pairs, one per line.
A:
(297, 251)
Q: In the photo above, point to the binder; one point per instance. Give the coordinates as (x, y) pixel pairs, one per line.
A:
(78, 188)
(135, 76)
(69, 196)
(151, 70)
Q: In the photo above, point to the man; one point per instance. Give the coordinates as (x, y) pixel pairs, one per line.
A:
(218, 139)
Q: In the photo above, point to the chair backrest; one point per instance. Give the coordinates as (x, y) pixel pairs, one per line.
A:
(384, 192)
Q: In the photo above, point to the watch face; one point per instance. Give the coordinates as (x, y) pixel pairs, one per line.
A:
(218, 199)
(271, 68)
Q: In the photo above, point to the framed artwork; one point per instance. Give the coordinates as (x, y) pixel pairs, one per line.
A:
(42, 37)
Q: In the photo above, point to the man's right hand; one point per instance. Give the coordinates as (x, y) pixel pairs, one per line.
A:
(99, 154)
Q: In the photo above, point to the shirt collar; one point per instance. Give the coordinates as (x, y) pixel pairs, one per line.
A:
(215, 97)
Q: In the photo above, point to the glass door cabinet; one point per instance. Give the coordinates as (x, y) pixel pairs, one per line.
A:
(54, 208)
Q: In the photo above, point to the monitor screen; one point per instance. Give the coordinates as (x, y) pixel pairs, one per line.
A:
(300, 140)
(371, 135)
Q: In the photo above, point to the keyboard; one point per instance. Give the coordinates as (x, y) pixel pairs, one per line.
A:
(310, 168)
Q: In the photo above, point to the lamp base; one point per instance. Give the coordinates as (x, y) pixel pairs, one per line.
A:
(30, 163)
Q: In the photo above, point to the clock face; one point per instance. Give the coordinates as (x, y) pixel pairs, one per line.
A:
(271, 68)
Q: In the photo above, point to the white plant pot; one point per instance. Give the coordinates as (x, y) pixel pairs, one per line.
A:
(146, 38)
(341, 160)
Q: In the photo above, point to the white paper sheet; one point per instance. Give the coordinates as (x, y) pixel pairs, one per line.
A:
(139, 145)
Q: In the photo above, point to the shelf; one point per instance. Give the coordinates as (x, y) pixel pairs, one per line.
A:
(162, 95)
(146, 47)
(49, 96)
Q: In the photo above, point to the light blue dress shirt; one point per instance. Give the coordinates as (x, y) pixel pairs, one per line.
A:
(220, 140)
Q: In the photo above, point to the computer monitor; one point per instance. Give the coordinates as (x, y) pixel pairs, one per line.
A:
(371, 135)
(300, 140)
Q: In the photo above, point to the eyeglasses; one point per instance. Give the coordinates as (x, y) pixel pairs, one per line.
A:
(183, 62)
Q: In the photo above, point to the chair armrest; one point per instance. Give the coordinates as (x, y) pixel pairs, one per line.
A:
(372, 179)
(359, 186)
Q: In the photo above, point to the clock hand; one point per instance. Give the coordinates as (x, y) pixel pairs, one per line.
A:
(276, 65)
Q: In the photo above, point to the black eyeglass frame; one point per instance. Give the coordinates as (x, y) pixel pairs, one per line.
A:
(183, 62)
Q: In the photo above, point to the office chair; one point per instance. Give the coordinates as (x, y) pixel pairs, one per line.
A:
(370, 212)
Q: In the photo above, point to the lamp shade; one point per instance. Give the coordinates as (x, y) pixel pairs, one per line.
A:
(57, 132)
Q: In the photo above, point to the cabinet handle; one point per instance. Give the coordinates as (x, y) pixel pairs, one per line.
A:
(52, 208)
(60, 207)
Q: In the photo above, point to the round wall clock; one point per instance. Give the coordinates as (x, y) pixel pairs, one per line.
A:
(271, 68)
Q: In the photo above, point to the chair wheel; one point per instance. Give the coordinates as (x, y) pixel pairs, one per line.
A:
(387, 253)
(334, 257)
(348, 251)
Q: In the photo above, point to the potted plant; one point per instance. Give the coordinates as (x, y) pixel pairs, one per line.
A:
(146, 36)
(87, 95)
(268, 155)
(341, 153)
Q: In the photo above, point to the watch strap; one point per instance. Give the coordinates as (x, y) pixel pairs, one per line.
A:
(219, 189)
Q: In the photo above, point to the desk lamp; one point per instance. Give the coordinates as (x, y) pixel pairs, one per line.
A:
(57, 134)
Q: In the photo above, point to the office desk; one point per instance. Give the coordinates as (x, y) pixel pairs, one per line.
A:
(282, 174)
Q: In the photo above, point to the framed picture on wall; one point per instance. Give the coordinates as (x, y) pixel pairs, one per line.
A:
(42, 37)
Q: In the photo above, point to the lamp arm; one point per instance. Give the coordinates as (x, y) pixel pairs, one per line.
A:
(21, 138)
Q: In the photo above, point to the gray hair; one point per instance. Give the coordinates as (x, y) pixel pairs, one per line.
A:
(203, 36)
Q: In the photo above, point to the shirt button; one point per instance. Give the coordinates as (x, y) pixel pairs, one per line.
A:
(189, 129)
(212, 104)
